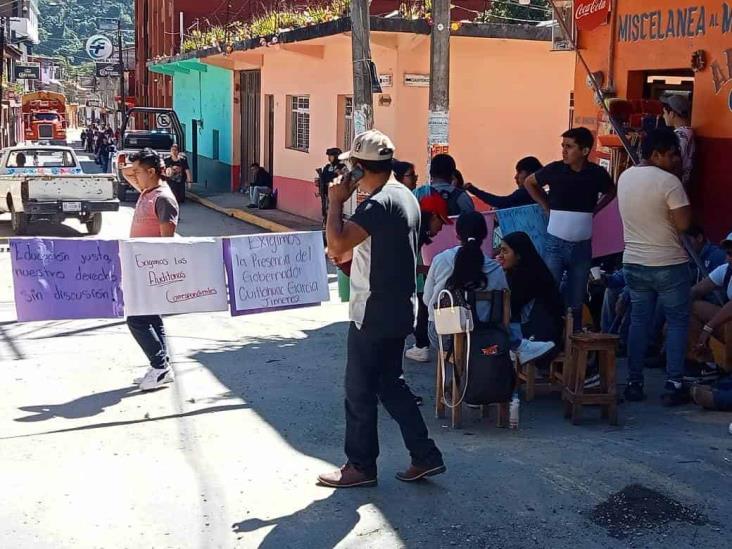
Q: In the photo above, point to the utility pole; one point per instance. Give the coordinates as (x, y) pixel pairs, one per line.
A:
(2, 75)
(439, 115)
(363, 99)
(122, 104)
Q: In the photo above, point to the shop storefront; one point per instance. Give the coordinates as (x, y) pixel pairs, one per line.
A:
(644, 49)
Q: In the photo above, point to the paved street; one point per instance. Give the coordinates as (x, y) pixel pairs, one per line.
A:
(228, 455)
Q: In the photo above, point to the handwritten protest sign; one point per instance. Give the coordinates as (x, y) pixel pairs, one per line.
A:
(607, 231)
(162, 276)
(67, 278)
(531, 220)
(447, 238)
(275, 271)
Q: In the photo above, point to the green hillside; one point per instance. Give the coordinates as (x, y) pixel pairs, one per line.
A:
(65, 25)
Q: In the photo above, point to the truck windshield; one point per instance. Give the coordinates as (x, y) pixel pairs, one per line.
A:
(41, 158)
(45, 116)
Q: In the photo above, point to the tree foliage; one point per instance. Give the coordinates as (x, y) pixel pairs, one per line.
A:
(510, 11)
(65, 25)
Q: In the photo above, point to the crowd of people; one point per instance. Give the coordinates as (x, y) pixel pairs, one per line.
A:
(668, 292)
(101, 141)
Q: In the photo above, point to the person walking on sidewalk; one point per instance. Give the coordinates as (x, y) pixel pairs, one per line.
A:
(655, 211)
(178, 172)
(383, 234)
(156, 215)
(574, 184)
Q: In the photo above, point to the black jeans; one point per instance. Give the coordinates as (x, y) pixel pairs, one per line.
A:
(372, 373)
(149, 333)
(421, 337)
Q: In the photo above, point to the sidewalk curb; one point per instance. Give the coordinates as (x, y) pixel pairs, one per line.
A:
(241, 215)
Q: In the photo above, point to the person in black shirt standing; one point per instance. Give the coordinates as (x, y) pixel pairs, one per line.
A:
(383, 235)
(520, 197)
(178, 173)
(575, 185)
(326, 175)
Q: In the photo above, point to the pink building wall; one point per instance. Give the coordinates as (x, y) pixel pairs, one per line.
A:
(509, 98)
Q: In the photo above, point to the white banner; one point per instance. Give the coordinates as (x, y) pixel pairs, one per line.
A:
(172, 276)
(276, 271)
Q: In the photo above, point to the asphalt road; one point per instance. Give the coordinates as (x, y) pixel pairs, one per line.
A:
(228, 455)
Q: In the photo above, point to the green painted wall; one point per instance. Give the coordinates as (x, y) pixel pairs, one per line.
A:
(208, 96)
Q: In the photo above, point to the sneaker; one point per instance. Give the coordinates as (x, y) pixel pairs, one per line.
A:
(347, 477)
(634, 392)
(698, 372)
(531, 350)
(415, 473)
(155, 378)
(138, 380)
(418, 354)
(675, 394)
(592, 382)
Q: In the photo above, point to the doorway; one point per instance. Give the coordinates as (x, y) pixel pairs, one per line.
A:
(250, 86)
(269, 110)
(194, 148)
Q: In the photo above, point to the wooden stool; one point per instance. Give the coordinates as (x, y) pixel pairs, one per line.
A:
(575, 371)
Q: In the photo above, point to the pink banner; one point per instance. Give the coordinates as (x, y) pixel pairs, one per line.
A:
(447, 238)
(607, 231)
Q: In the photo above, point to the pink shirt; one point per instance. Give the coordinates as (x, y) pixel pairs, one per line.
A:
(145, 222)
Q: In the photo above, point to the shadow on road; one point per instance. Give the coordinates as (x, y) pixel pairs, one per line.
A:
(42, 228)
(86, 406)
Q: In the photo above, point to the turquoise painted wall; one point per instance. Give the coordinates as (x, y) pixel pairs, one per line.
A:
(208, 96)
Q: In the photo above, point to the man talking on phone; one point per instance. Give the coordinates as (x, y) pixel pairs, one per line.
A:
(383, 235)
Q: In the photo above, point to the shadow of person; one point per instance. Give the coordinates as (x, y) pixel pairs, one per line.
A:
(86, 406)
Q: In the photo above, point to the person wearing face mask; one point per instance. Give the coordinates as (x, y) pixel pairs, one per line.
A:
(655, 211)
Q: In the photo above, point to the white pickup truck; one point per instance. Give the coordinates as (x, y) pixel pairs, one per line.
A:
(46, 183)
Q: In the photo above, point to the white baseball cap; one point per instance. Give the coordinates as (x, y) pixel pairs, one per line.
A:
(370, 145)
(727, 241)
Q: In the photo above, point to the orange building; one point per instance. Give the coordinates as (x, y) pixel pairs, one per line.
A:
(650, 47)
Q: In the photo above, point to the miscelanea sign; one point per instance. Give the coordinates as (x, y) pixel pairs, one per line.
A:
(590, 14)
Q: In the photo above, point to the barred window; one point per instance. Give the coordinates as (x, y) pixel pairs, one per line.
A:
(299, 122)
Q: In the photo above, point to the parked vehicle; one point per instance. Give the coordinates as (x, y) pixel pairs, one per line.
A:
(44, 117)
(167, 131)
(46, 183)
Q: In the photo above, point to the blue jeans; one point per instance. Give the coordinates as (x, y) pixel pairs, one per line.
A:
(610, 323)
(575, 260)
(671, 287)
(149, 333)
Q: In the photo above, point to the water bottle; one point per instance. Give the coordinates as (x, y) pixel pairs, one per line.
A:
(513, 412)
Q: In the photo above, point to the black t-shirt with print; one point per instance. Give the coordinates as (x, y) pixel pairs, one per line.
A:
(383, 268)
(572, 191)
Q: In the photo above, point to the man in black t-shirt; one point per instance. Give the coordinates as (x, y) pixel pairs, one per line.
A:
(383, 235)
(326, 175)
(178, 173)
(575, 186)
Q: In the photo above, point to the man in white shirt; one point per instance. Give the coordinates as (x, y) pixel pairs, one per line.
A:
(655, 211)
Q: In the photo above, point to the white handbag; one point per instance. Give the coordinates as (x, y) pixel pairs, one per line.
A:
(454, 319)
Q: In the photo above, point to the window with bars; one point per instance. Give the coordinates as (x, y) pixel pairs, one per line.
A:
(298, 135)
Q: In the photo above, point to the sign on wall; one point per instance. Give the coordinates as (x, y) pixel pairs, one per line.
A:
(417, 80)
(27, 71)
(275, 271)
(108, 70)
(590, 14)
(66, 278)
(173, 276)
(99, 47)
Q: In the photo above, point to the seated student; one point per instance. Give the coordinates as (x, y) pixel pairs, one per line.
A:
(710, 255)
(536, 304)
(708, 319)
(520, 197)
(405, 173)
(714, 397)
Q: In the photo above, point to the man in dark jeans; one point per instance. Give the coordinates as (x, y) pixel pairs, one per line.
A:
(575, 185)
(383, 234)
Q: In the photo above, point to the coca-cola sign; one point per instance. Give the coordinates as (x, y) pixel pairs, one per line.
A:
(590, 14)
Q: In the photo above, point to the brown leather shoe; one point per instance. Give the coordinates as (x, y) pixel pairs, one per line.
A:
(416, 473)
(703, 396)
(347, 477)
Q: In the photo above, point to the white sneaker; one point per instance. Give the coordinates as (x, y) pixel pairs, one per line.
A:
(155, 378)
(531, 350)
(418, 354)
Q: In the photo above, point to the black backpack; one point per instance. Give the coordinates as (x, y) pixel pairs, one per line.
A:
(492, 377)
(451, 197)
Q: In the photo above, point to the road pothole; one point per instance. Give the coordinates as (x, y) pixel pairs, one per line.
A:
(636, 509)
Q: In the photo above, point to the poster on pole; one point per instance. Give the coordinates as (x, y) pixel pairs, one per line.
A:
(531, 220)
(173, 276)
(66, 278)
(268, 272)
(447, 238)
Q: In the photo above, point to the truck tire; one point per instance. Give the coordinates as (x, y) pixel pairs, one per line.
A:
(18, 222)
(94, 225)
(122, 192)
